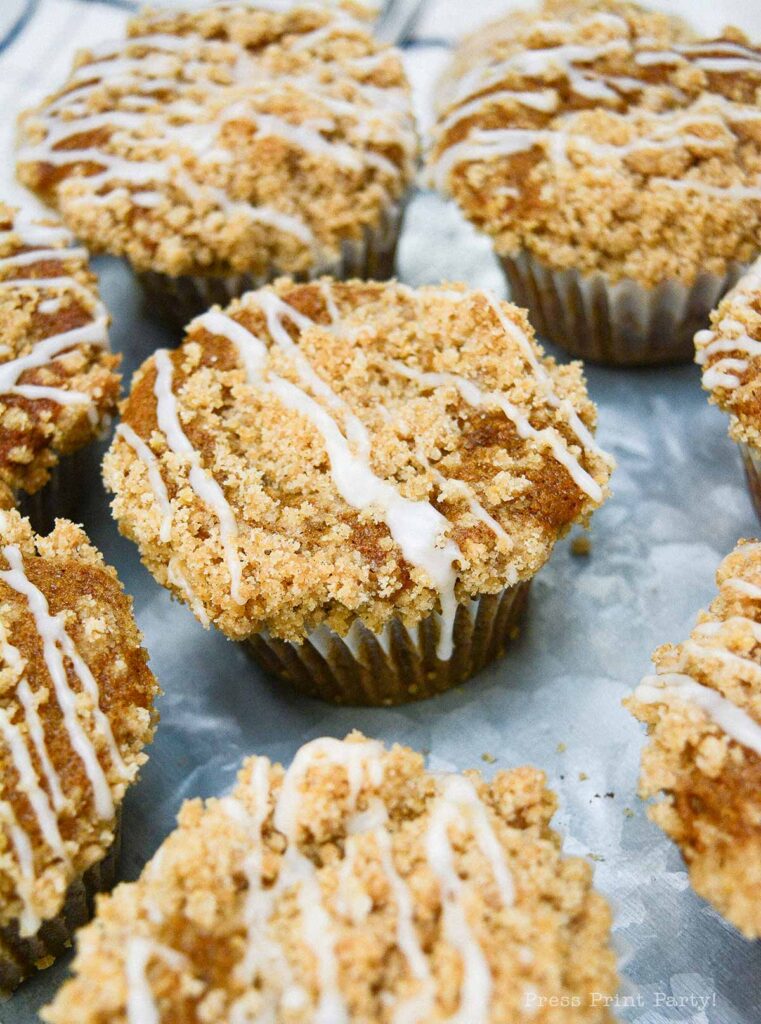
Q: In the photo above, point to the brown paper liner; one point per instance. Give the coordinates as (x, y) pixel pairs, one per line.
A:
(401, 665)
(618, 323)
(20, 956)
(179, 299)
(65, 493)
(751, 457)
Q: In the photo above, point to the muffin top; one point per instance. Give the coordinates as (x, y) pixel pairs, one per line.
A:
(327, 451)
(76, 699)
(729, 354)
(703, 709)
(602, 137)
(355, 886)
(58, 380)
(230, 139)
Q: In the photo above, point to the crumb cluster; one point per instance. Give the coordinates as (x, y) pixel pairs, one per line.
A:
(41, 300)
(711, 784)
(306, 554)
(603, 137)
(96, 614)
(729, 354)
(231, 139)
(210, 932)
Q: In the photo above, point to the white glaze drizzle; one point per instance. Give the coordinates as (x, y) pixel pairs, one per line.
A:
(456, 804)
(474, 396)
(57, 645)
(734, 721)
(95, 333)
(201, 481)
(456, 794)
(380, 117)
(730, 336)
(416, 526)
(471, 99)
(141, 1005)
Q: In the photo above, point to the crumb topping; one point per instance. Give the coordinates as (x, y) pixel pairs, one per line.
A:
(330, 451)
(58, 380)
(729, 354)
(603, 137)
(703, 711)
(354, 886)
(76, 709)
(232, 139)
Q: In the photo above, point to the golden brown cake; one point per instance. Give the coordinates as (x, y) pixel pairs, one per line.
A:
(729, 354)
(220, 147)
(58, 380)
(76, 710)
(359, 479)
(703, 711)
(355, 886)
(615, 159)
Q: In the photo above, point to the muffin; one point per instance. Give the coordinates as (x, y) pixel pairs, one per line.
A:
(356, 479)
(728, 353)
(614, 158)
(58, 381)
(355, 885)
(703, 711)
(218, 148)
(76, 710)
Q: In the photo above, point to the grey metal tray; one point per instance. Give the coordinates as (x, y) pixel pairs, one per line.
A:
(679, 506)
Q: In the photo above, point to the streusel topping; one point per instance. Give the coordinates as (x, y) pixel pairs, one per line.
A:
(76, 699)
(729, 354)
(355, 886)
(603, 137)
(58, 380)
(229, 139)
(703, 709)
(327, 451)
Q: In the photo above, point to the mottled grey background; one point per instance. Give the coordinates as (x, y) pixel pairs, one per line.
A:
(679, 506)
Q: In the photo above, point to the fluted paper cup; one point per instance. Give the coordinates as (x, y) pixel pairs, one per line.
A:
(619, 323)
(401, 664)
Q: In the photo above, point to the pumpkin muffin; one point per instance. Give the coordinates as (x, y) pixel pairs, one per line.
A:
(615, 159)
(354, 886)
(76, 710)
(58, 380)
(357, 479)
(729, 354)
(217, 148)
(703, 711)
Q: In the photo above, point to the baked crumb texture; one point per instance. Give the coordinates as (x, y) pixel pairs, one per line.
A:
(355, 887)
(76, 709)
(729, 353)
(325, 452)
(703, 711)
(231, 139)
(58, 381)
(600, 136)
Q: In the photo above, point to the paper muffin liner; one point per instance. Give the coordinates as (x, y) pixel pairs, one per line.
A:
(65, 493)
(20, 956)
(180, 299)
(619, 323)
(751, 457)
(399, 665)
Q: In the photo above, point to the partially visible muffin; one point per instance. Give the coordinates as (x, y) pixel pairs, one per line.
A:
(615, 159)
(76, 710)
(58, 381)
(217, 148)
(729, 353)
(358, 479)
(354, 886)
(703, 711)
